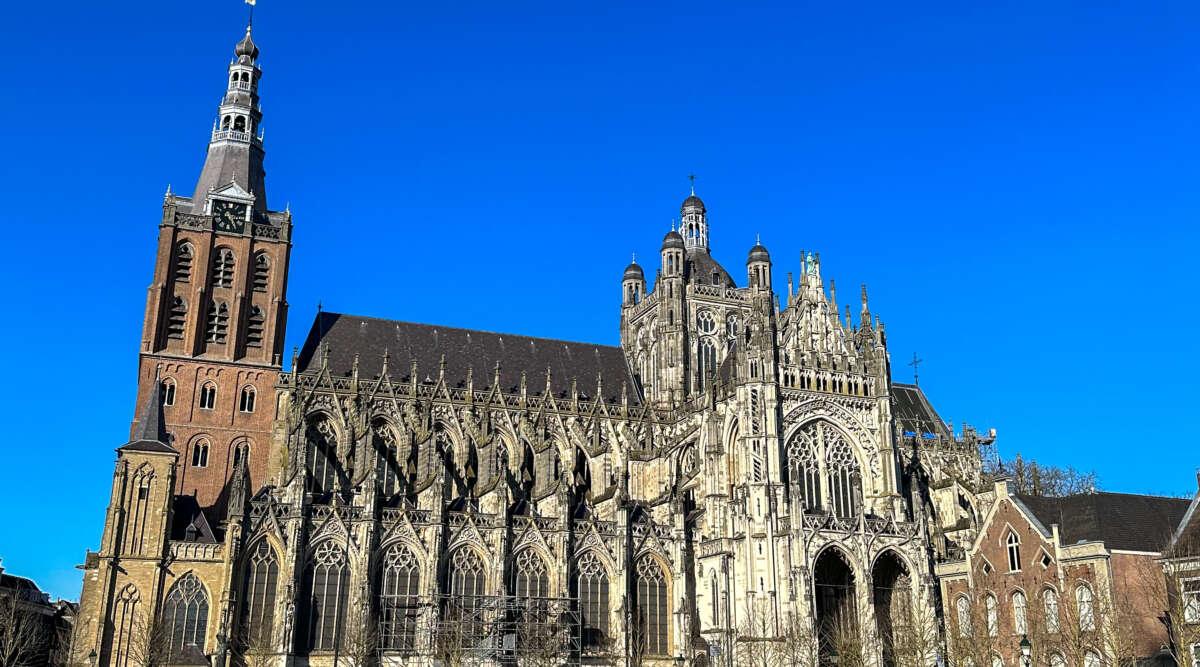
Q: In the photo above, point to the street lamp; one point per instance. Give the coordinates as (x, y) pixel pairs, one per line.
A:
(1026, 651)
(92, 658)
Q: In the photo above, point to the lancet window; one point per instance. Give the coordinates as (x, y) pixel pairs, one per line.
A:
(177, 319)
(467, 585)
(183, 262)
(223, 268)
(255, 323)
(259, 588)
(262, 272)
(593, 600)
(653, 612)
(185, 614)
(399, 586)
(326, 589)
(322, 456)
(217, 327)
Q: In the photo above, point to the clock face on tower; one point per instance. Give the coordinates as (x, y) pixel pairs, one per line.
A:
(228, 216)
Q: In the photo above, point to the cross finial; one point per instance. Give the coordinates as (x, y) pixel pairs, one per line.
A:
(635, 258)
(916, 363)
(672, 224)
(757, 239)
(692, 179)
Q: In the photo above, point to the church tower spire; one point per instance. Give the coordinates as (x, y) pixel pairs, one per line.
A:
(234, 165)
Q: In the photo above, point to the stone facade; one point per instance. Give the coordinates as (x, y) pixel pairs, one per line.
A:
(735, 471)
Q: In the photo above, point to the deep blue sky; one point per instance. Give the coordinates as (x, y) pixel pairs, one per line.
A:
(1017, 185)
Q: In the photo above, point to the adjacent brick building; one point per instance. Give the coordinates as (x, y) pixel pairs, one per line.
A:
(1074, 576)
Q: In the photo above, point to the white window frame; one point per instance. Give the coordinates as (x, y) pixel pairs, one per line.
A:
(1191, 599)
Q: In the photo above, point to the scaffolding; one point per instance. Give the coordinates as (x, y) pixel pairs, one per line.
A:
(504, 630)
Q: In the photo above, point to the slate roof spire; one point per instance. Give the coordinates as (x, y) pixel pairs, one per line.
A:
(234, 166)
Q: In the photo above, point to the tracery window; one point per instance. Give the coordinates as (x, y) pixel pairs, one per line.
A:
(1014, 552)
(255, 323)
(1020, 613)
(208, 396)
(805, 468)
(991, 610)
(262, 272)
(322, 455)
(223, 268)
(259, 588)
(167, 387)
(246, 402)
(705, 322)
(1083, 602)
(177, 319)
(326, 588)
(183, 262)
(1050, 602)
(1091, 659)
(217, 327)
(185, 615)
(653, 613)
(1056, 660)
(843, 476)
(731, 326)
(200, 454)
(399, 587)
(467, 585)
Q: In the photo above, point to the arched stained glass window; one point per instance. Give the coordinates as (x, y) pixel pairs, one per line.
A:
(842, 473)
(185, 615)
(258, 591)
(708, 360)
(322, 456)
(468, 583)
(653, 612)
(532, 580)
(593, 600)
(399, 587)
(326, 589)
(805, 468)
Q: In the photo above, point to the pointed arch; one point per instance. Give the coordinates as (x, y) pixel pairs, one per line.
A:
(177, 318)
(326, 592)
(324, 467)
(223, 264)
(262, 271)
(125, 625)
(185, 616)
(804, 466)
(653, 622)
(260, 585)
(398, 597)
(466, 584)
(184, 255)
(593, 582)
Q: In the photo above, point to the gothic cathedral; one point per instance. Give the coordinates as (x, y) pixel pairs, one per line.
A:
(736, 471)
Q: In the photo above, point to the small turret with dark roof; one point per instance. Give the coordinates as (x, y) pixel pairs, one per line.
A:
(758, 254)
(672, 240)
(150, 432)
(634, 272)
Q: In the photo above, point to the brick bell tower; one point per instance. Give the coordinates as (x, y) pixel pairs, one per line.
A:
(216, 311)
